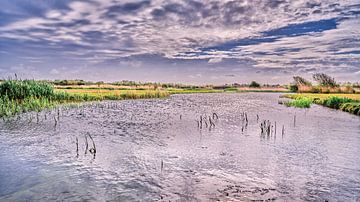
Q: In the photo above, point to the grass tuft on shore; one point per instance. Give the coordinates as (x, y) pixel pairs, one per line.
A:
(299, 103)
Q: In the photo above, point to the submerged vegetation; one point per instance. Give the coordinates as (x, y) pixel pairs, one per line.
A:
(345, 102)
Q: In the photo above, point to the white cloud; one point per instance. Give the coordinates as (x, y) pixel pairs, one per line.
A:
(215, 60)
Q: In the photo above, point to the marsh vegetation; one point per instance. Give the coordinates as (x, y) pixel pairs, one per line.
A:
(345, 102)
(17, 96)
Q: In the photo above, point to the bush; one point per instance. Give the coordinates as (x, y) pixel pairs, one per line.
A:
(293, 88)
(254, 84)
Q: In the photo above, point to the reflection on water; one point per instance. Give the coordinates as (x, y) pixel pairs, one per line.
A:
(151, 150)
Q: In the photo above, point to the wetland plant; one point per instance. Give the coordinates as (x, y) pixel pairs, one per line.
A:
(77, 147)
(299, 103)
(266, 129)
(55, 122)
(93, 149)
(86, 144)
(162, 165)
(215, 116)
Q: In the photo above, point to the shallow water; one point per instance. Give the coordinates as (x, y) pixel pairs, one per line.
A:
(153, 150)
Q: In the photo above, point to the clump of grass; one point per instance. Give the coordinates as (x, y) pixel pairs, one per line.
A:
(299, 103)
(352, 107)
(335, 102)
(17, 96)
(21, 89)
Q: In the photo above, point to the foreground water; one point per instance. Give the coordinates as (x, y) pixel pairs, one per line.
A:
(153, 150)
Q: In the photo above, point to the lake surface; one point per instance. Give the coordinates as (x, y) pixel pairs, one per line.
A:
(155, 150)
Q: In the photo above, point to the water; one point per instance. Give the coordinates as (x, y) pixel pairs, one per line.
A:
(153, 150)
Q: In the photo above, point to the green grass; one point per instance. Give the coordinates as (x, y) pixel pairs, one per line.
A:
(18, 89)
(299, 103)
(18, 96)
(345, 102)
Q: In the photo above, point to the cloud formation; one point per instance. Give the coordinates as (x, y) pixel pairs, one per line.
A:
(289, 36)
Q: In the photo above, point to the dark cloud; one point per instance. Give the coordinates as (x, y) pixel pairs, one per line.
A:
(313, 4)
(126, 8)
(275, 3)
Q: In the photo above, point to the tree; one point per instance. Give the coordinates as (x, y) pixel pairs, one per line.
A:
(293, 88)
(254, 84)
(99, 83)
(301, 81)
(324, 79)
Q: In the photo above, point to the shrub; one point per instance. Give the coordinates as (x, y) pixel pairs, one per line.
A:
(254, 84)
(324, 80)
(293, 88)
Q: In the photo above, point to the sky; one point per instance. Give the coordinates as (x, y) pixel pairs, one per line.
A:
(195, 42)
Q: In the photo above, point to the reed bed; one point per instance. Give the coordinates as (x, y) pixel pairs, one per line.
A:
(18, 96)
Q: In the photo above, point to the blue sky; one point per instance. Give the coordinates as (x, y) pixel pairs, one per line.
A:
(180, 41)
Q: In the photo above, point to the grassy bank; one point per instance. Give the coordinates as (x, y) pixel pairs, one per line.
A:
(18, 96)
(345, 102)
(106, 94)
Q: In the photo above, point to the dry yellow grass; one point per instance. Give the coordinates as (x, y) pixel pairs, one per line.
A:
(104, 86)
(325, 89)
(115, 93)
